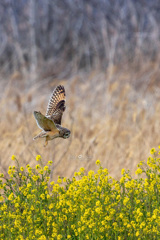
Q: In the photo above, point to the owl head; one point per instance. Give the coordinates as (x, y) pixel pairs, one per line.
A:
(63, 132)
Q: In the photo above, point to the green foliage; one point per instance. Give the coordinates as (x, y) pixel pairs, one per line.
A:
(89, 206)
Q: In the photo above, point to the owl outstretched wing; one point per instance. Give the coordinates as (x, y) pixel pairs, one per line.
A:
(43, 122)
(56, 105)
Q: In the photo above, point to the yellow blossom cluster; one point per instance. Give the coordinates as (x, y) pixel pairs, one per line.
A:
(88, 206)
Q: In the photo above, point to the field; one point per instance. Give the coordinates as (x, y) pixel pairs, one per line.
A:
(88, 206)
(113, 116)
(106, 55)
(108, 61)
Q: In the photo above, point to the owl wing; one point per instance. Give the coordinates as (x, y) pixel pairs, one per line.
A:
(56, 105)
(43, 122)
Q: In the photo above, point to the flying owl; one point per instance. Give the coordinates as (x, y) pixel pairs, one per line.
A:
(51, 122)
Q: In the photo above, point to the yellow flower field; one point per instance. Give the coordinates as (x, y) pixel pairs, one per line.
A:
(89, 206)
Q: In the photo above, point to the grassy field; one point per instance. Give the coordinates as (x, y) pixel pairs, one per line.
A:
(113, 116)
(88, 206)
(106, 54)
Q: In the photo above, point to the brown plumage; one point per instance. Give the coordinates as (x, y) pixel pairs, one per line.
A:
(56, 105)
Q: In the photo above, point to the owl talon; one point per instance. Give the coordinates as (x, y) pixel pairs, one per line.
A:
(46, 142)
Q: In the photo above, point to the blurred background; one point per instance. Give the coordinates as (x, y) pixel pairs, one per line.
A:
(107, 55)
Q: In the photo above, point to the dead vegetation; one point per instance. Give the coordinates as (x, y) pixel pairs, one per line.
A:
(110, 118)
(106, 54)
(57, 38)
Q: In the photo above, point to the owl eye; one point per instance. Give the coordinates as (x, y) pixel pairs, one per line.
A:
(67, 134)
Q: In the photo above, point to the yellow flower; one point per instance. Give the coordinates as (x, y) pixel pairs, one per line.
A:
(16, 205)
(11, 196)
(41, 171)
(42, 237)
(59, 180)
(50, 162)
(29, 185)
(82, 169)
(38, 166)
(128, 225)
(122, 171)
(52, 183)
(76, 174)
(139, 171)
(42, 196)
(90, 173)
(98, 203)
(9, 171)
(51, 206)
(122, 180)
(125, 201)
(141, 163)
(43, 211)
(98, 162)
(45, 168)
(152, 151)
(38, 157)
(59, 237)
(64, 179)
(32, 208)
(47, 178)
(35, 178)
(1, 198)
(105, 171)
(24, 178)
(13, 157)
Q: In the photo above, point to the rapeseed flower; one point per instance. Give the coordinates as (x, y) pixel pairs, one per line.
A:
(50, 162)
(98, 162)
(153, 150)
(89, 206)
(22, 169)
(13, 157)
(139, 171)
(38, 157)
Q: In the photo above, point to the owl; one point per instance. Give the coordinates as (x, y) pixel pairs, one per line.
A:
(51, 122)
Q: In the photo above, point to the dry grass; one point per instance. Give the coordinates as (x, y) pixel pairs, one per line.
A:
(113, 116)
